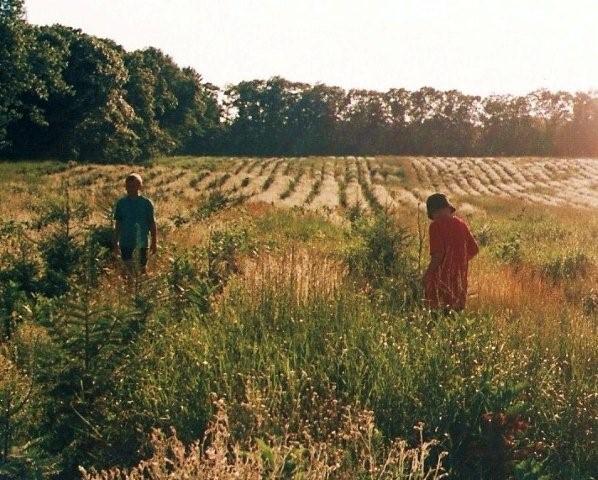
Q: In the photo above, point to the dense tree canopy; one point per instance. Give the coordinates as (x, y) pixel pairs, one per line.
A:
(277, 117)
(14, 68)
(70, 95)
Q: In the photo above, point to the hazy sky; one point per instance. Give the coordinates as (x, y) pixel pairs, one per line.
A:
(477, 46)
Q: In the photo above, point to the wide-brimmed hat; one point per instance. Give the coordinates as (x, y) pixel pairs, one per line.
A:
(437, 201)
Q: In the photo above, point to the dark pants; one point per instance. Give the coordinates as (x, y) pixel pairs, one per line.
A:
(127, 254)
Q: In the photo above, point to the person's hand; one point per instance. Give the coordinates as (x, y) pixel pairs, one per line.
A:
(153, 248)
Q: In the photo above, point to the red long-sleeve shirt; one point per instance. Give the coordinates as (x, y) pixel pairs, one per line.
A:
(451, 239)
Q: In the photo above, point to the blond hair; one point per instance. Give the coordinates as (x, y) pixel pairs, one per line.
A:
(134, 176)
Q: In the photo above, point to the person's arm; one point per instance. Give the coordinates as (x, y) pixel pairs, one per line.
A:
(117, 227)
(472, 245)
(154, 234)
(436, 251)
(153, 228)
(435, 261)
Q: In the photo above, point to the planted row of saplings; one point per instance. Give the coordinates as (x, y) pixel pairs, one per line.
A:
(359, 174)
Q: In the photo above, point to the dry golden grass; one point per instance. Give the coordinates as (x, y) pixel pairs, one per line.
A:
(351, 450)
(300, 272)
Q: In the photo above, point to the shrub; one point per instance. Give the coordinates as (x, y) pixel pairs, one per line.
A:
(292, 185)
(355, 213)
(11, 296)
(589, 302)
(162, 382)
(383, 257)
(187, 285)
(21, 273)
(342, 193)
(215, 202)
(20, 458)
(509, 251)
(103, 235)
(484, 235)
(89, 342)
(269, 181)
(566, 267)
(218, 181)
(60, 252)
(194, 182)
(223, 247)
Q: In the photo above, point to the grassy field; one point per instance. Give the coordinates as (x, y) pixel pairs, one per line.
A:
(280, 332)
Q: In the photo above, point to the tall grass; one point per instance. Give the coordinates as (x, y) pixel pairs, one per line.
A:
(279, 344)
(295, 339)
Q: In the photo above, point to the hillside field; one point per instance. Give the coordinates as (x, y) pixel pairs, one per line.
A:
(280, 326)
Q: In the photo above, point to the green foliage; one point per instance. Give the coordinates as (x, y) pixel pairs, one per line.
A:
(60, 253)
(162, 384)
(102, 118)
(269, 181)
(283, 227)
(215, 201)
(15, 72)
(11, 298)
(355, 213)
(17, 416)
(86, 372)
(217, 182)
(88, 339)
(531, 469)
(509, 251)
(589, 302)
(292, 185)
(21, 274)
(77, 96)
(70, 95)
(200, 176)
(223, 248)
(101, 235)
(484, 235)
(316, 187)
(190, 287)
(383, 257)
(566, 267)
(276, 117)
(446, 372)
(175, 109)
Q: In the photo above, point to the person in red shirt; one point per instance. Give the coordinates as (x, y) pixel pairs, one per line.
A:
(452, 246)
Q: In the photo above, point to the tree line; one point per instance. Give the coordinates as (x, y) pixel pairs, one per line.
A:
(66, 94)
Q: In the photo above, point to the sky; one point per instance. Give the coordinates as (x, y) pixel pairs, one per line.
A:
(480, 47)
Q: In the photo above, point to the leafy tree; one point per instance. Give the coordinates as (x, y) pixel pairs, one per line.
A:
(313, 119)
(70, 95)
(141, 93)
(33, 134)
(247, 129)
(175, 109)
(554, 111)
(581, 131)
(15, 75)
(99, 118)
(399, 103)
